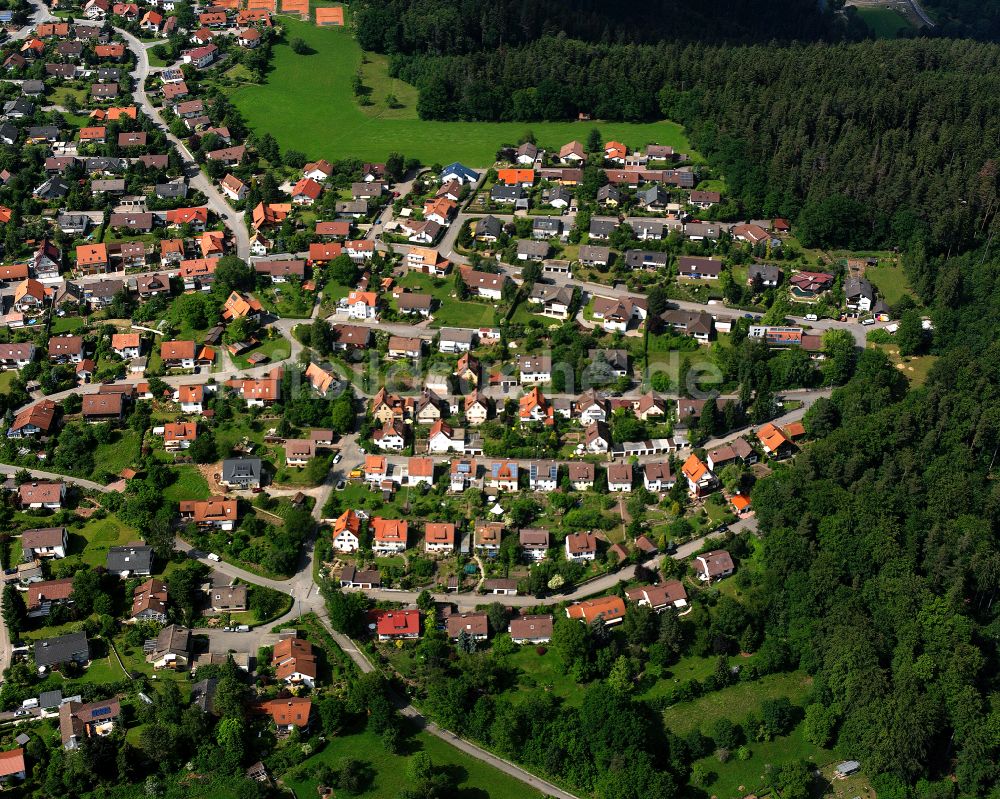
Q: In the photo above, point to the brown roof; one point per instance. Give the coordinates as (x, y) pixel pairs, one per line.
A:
(471, 623)
(42, 537)
(151, 595)
(531, 627)
(177, 350)
(619, 473)
(210, 510)
(440, 533)
(103, 404)
(294, 710)
(30, 493)
(609, 608)
(122, 340)
(579, 543)
(49, 590)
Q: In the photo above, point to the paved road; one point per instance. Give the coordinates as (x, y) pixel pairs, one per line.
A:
(10, 471)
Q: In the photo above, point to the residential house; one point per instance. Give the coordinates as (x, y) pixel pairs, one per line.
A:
(484, 284)
(149, 601)
(420, 471)
(737, 450)
(766, 275)
(618, 314)
(581, 546)
(294, 662)
(44, 594)
(471, 625)
(597, 438)
(44, 542)
(503, 475)
(487, 538)
(388, 536)
(289, 714)
(439, 537)
(132, 560)
(532, 629)
(242, 473)
(700, 479)
(691, 267)
(178, 354)
(582, 475)
(36, 420)
(400, 347)
(173, 648)
(392, 625)
(534, 368)
(126, 345)
(347, 532)
(713, 565)
(620, 477)
(774, 442)
(610, 609)
(534, 543)
(670, 594)
(452, 340)
(543, 476)
(391, 436)
(463, 474)
(39, 494)
(657, 477)
(51, 653)
(16, 356)
(215, 512)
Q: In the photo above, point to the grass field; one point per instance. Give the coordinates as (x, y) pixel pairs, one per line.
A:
(916, 368)
(891, 282)
(450, 311)
(735, 702)
(189, 484)
(99, 535)
(66, 324)
(276, 349)
(737, 778)
(477, 780)
(884, 23)
(119, 454)
(308, 104)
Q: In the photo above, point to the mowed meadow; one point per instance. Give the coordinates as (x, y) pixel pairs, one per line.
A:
(308, 104)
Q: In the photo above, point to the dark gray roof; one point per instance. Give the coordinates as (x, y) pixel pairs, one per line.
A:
(534, 249)
(43, 132)
(769, 273)
(507, 194)
(203, 694)
(549, 224)
(654, 195)
(19, 107)
(489, 226)
(104, 164)
(50, 698)
(602, 227)
(138, 558)
(8, 132)
(617, 359)
(175, 190)
(644, 259)
(235, 470)
(858, 287)
(33, 86)
(62, 649)
(647, 226)
(53, 187)
(609, 192)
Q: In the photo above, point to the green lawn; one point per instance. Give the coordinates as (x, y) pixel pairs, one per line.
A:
(308, 105)
(737, 778)
(120, 453)
(884, 23)
(276, 349)
(287, 300)
(92, 541)
(66, 324)
(735, 702)
(189, 484)
(890, 281)
(478, 780)
(450, 312)
(6, 379)
(544, 673)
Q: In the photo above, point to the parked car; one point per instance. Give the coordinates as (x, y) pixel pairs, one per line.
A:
(811, 317)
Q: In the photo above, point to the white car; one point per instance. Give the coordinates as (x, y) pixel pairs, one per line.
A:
(867, 322)
(811, 317)
(213, 557)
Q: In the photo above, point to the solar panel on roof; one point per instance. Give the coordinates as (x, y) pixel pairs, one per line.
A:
(101, 711)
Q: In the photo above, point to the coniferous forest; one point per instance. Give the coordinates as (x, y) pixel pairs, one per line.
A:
(882, 564)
